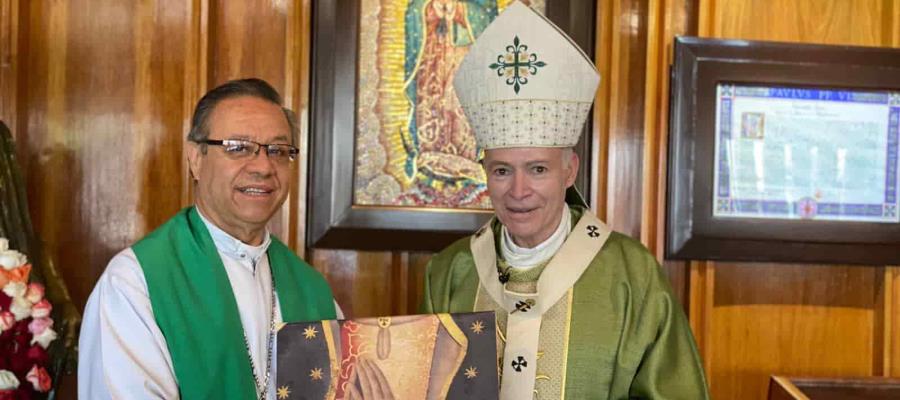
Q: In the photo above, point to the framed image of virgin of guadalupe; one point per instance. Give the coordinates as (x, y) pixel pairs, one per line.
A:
(393, 160)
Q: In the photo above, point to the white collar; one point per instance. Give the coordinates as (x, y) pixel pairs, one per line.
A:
(234, 247)
(521, 257)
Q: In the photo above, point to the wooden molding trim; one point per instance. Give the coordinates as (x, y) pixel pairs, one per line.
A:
(603, 50)
(706, 20)
(789, 386)
(653, 104)
(702, 285)
(600, 133)
(891, 328)
(196, 73)
(893, 15)
(296, 97)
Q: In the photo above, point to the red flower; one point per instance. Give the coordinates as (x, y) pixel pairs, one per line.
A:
(21, 327)
(39, 378)
(35, 292)
(19, 274)
(19, 362)
(41, 309)
(37, 355)
(5, 301)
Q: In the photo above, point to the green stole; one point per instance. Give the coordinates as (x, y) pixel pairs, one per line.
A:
(194, 306)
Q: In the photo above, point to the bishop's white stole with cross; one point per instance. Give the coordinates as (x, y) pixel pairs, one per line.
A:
(526, 311)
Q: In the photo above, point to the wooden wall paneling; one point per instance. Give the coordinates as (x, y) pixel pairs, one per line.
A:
(9, 62)
(892, 23)
(666, 19)
(104, 111)
(702, 282)
(705, 13)
(157, 112)
(621, 180)
(296, 97)
(857, 22)
(409, 279)
(657, 34)
(196, 69)
(369, 283)
(399, 286)
(789, 320)
(601, 115)
(881, 321)
(416, 291)
(47, 56)
(248, 40)
(678, 273)
(360, 280)
(891, 336)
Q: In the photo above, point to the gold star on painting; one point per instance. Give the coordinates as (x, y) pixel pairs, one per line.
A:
(471, 372)
(477, 327)
(310, 332)
(283, 392)
(316, 374)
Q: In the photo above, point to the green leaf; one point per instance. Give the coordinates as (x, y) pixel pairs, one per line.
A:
(540, 64)
(516, 41)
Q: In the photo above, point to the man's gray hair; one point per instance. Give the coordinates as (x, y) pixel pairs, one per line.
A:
(252, 87)
(567, 156)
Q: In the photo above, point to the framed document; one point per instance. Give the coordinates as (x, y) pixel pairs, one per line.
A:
(784, 152)
(814, 154)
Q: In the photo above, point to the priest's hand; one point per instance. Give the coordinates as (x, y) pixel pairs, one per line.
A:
(367, 382)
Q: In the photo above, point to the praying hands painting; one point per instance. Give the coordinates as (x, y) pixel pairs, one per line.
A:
(414, 145)
(436, 356)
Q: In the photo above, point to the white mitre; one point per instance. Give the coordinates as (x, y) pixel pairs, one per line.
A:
(524, 83)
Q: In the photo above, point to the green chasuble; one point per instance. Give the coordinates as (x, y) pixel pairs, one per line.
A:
(194, 305)
(623, 335)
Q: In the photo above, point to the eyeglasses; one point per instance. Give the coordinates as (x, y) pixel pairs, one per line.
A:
(239, 149)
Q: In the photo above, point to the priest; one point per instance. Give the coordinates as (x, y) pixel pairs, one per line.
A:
(191, 310)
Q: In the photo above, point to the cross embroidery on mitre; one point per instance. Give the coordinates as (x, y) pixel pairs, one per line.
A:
(517, 64)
